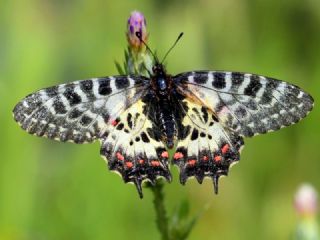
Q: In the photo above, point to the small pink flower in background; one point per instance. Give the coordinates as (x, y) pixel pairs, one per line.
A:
(306, 204)
(306, 199)
(137, 23)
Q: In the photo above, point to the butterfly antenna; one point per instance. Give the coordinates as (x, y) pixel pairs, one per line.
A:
(139, 35)
(175, 43)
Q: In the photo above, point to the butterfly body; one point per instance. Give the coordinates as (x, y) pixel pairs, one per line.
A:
(163, 91)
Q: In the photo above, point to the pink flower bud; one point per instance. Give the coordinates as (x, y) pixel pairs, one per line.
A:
(306, 200)
(136, 23)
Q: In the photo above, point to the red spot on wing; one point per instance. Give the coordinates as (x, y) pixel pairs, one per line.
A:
(129, 164)
(120, 156)
(141, 161)
(165, 154)
(155, 163)
(114, 122)
(178, 155)
(205, 158)
(192, 162)
(217, 158)
(225, 148)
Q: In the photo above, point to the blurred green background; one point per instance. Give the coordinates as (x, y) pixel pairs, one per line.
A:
(50, 190)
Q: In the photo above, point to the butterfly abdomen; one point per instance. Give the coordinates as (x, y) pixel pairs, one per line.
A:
(167, 121)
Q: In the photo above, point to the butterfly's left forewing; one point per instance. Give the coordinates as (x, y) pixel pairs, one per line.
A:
(78, 111)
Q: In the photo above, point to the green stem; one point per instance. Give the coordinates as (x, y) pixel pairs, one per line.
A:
(161, 213)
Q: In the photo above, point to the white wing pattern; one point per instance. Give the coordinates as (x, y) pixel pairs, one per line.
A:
(248, 104)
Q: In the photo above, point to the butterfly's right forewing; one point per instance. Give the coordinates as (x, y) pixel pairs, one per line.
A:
(249, 104)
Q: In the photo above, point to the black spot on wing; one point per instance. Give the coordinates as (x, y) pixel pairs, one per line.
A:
(59, 107)
(122, 83)
(75, 113)
(104, 86)
(196, 111)
(219, 80)
(204, 114)
(72, 96)
(86, 86)
(266, 98)
(144, 137)
(202, 134)
(136, 117)
(200, 78)
(272, 83)
(237, 78)
(120, 126)
(214, 118)
(85, 120)
(195, 134)
(129, 120)
(253, 86)
(52, 91)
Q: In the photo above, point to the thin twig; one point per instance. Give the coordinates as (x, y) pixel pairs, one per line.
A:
(161, 213)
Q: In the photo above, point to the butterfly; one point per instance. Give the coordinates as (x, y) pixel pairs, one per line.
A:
(202, 116)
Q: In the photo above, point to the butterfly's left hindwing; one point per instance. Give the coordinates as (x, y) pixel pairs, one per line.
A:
(130, 147)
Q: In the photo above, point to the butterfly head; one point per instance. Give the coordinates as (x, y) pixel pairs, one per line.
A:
(158, 69)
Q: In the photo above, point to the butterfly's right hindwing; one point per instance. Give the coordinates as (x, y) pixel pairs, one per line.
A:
(205, 148)
(78, 111)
